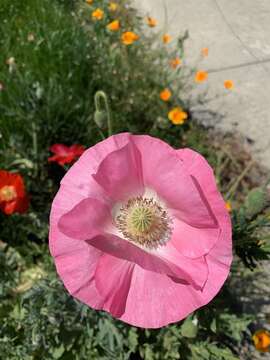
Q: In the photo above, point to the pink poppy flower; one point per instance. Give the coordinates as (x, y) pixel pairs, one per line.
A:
(65, 154)
(139, 229)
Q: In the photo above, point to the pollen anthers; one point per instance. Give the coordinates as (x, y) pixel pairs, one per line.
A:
(144, 222)
(8, 193)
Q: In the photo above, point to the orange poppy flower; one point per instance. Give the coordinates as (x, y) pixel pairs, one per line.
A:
(166, 38)
(129, 37)
(228, 206)
(205, 52)
(13, 197)
(177, 116)
(165, 95)
(201, 76)
(89, 2)
(114, 25)
(151, 22)
(98, 14)
(261, 340)
(175, 62)
(228, 84)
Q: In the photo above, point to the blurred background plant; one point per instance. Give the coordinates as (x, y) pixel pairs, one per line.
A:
(55, 56)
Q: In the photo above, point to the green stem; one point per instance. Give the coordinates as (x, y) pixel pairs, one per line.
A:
(35, 147)
(99, 97)
(234, 187)
(101, 134)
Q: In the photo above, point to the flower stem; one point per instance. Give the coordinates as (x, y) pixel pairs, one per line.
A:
(235, 185)
(99, 97)
(35, 147)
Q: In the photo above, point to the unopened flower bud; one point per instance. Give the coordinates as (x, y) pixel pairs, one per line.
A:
(100, 118)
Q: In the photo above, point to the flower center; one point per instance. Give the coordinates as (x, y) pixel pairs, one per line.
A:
(145, 222)
(8, 193)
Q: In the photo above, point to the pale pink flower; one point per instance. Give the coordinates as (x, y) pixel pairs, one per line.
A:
(139, 230)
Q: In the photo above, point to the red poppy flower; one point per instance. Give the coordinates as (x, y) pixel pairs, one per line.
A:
(13, 197)
(65, 154)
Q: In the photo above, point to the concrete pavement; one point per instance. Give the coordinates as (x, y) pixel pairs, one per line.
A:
(237, 34)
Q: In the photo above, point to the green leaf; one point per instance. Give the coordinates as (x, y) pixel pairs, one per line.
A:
(213, 325)
(189, 329)
(133, 340)
(255, 201)
(233, 325)
(58, 352)
(206, 351)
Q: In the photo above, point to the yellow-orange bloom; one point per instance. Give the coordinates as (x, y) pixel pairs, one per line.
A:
(166, 38)
(201, 76)
(151, 22)
(165, 94)
(114, 25)
(177, 116)
(89, 2)
(228, 84)
(261, 340)
(228, 206)
(113, 6)
(175, 62)
(98, 14)
(205, 52)
(129, 37)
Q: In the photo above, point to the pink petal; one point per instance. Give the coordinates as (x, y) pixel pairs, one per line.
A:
(155, 300)
(195, 270)
(191, 241)
(86, 220)
(119, 174)
(166, 301)
(164, 172)
(166, 260)
(197, 166)
(79, 177)
(75, 260)
(115, 287)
